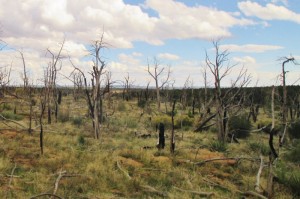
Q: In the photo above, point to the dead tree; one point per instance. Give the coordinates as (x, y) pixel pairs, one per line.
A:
(95, 95)
(156, 74)
(127, 86)
(54, 66)
(172, 140)
(225, 100)
(284, 93)
(161, 136)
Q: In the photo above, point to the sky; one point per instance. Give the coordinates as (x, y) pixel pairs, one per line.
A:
(176, 33)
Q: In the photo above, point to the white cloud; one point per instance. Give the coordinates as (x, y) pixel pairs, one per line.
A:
(246, 60)
(176, 20)
(268, 12)
(284, 2)
(249, 48)
(168, 56)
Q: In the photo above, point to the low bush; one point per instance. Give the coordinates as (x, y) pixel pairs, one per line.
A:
(294, 154)
(165, 119)
(183, 121)
(12, 116)
(289, 177)
(240, 126)
(142, 103)
(77, 121)
(294, 130)
(259, 147)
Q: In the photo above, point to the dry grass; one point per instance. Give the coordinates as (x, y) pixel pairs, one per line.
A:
(117, 166)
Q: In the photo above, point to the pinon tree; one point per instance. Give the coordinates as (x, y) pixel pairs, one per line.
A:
(227, 101)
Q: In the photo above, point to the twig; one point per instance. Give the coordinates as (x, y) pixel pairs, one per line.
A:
(202, 194)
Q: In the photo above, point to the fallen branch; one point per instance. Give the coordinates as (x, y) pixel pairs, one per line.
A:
(125, 172)
(252, 193)
(150, 189)
(237, 159)
(257, 184)
(13, 121)
(61, 174)
(46, 194)
(202, 194)
(11, 178)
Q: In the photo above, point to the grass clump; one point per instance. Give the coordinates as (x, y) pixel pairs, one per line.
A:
(218, 146)
(259, 147)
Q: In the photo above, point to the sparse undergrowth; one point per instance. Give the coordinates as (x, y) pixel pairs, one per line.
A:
(122, 164)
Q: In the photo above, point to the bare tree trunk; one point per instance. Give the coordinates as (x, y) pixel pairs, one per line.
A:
(172, 140)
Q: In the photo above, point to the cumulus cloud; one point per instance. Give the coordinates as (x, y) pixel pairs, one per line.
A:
(168, 56)
(268, 12)
(249, 48)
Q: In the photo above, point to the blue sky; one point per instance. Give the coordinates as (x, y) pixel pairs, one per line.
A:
(176, 32)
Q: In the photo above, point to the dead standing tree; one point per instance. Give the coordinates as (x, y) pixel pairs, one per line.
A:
(284, 94)
(94, 96)
(220, 67)
(54, 66)
(156, 75)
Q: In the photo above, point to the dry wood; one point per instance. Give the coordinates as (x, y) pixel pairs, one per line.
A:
(237, 159)
(46, 194)
(150, 189)
(10, 179)
(13, 121)
(124, 172)
(60, 175)
(257, 184)
(202, 194)
(252, 193)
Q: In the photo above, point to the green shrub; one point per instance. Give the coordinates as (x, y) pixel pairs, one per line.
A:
(165, 119)
(185, 120)
(142, 103)
(294, 130)
(12, 116)
(240, 126)
(6, 106)
(289, 177)
(294, 154)
(77, 121)
(218, 146)
(81, 140)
